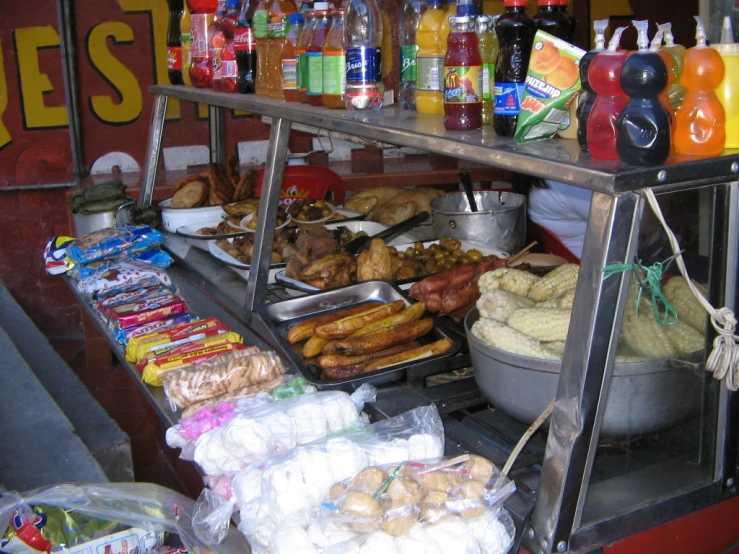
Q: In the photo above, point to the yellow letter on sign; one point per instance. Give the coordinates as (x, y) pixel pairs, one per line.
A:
(5, 137)
(128, 107)
(34, 84)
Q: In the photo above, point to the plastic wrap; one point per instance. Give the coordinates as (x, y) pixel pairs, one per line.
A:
(288, 488)
(189, 355)
(155, 257)
(114, 242)
(123, 336)
(228, 373)
(122, 277)
(145, 310)
(56, 260)
(139, 347)
(252, 435)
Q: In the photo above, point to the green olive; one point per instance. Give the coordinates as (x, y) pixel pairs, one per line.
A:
(325, 212)
(418, 246)
(319, 204)
(410, 251)
(440, 255)
(465, 259)
(474, 255)
(401, 255)
(393, 251)
(434, 247)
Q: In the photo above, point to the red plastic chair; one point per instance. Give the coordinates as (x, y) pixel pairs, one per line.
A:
(307, 181)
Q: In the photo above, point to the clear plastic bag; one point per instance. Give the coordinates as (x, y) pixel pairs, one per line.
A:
(122, 277)
(114, 242)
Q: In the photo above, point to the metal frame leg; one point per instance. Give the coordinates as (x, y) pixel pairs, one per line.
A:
(217, 135)
(153, 149)
(611, 237)
(270, 198)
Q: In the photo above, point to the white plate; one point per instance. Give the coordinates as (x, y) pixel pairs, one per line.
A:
(329, 205)
(371, 228)
(174, 218)
(223, 256)
(244, 274)
(191, 232)
(246, 219)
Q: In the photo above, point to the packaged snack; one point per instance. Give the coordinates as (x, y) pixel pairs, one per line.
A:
(114, 242)
(111, 300)
(552, 84)
(146, 310)
(56, 260)
(165, 364)
(154, 256)
(122, 277)
(124, 335)
(140, 346)
(195, 383)
(168, 350)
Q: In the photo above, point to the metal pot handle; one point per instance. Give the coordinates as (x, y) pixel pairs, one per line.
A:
(127, 204)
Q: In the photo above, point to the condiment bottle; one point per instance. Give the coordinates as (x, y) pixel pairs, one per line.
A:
(677, 51)
(728, 90)
(644, 130)
(604, 77)
(201, 65)
(334, 63)
(290, 58)
(551, 19)
(700, 124)
(410, 17)
(515, 30)
(462, 76)
(315, 56)
(430, 60)
(588, 95)
(309, 23)
(655, 47)
(484, 27)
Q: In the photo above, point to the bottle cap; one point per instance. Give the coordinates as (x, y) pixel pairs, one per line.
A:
(700, 31)
(320, 6)
(514, 3)
(462, 22)
(642, 27)
(616, 39)
(466, 10)
(233, 4)
(727, 31)
(295, 18)
(340, 12)
(666, 28)
(657, 41)
(600, 27)
(548, 2)
(482, 24)
(564, 3)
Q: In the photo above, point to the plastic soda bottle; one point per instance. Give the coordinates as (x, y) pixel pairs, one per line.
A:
(676, 92)
(462, 76)
(186, 42)
(334, 63)
(259, 24)
(484, 28)
(246, 50)
(201, 66)
(309, 22)
(362, 27)
(515, 30)
(221, 35)
(551, 19)
(563, 5)
(314, 56)
(410, 17)
(588, 95)
(278, 28)
(644, 136)
(700, 124)
(290, 58)
(604, 76)
(430, 60)
(174, 42)
(728, 90)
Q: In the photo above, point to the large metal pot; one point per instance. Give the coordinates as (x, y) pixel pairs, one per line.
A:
(643, 397)
(87, 223)
(500, 222)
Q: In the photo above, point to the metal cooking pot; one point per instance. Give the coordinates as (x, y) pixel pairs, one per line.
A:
(643, 397)
(87, 223)
(500, 222)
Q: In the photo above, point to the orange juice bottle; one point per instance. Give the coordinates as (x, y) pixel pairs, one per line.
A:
(290, 58)
(259, 23)
(700, 124)
(334, 63)
(278, 28)
(430, 60)
(309, 23)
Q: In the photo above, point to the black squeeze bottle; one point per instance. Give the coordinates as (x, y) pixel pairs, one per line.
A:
(174, 45)
(245, 50)
(515, 30)
(587, 97)
(644, 134)
(552, 20)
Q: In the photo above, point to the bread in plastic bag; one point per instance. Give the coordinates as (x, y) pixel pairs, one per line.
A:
(228, 373)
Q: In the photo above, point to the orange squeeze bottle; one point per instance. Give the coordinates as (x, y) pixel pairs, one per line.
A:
(700, 124)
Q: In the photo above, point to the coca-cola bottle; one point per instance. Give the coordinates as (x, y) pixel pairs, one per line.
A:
(245, 48)
(174, 44)
(221, 33)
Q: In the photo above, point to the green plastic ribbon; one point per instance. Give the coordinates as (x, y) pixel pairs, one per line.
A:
(663, 310)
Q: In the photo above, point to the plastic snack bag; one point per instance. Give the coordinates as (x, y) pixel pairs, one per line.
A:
(114, 242)
(123, 276)
(56, 260)
(124, 336)
(138, 347)
(155, 256)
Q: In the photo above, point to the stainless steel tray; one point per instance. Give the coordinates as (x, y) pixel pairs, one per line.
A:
(280, 316)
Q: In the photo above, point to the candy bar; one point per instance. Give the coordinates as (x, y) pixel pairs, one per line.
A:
(153, 369)
(123, 336)
(146, 310)
(139, 347)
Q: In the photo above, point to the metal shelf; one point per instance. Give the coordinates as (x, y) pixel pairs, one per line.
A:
(557, 159)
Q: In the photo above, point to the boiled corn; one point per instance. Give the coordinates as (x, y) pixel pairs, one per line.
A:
(687, 306)
(642, 334)
(501, 336)
(555, 283)
(684, 338)
(564, 301)
(498, 304)
(506, 278)
(557, 346)
(543, 324)
(623, 359)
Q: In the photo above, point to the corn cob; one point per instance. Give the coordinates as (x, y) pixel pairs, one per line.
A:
(555, 283)
(687, 306)
(557, 346)
(543, 324)
(567, 299)
(506, 278)
(498, 304)
(623, 359)
(501, 336)
(684, 338)
(551, 303)
(645, 336)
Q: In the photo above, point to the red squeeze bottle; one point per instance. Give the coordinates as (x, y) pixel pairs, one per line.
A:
(201, 66)
(604, 77)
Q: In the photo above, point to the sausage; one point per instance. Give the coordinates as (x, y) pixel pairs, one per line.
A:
(346, 326)
(385, 338)
(304, 329)
(337, 360)
(456, 298)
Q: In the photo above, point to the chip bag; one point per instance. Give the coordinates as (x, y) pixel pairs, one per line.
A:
(552, 84)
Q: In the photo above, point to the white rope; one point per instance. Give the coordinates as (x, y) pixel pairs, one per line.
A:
(525, 438)
(723, 362)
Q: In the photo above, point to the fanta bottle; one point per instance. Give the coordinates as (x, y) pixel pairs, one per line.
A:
(675, 92)
(290, 58)
(430, 60)
(315, 57)
(309, 23)
(700, 124)
(462, 76)
(201, 65)
(644, 125)
(334, 63)
(604, 76)
(588, 95)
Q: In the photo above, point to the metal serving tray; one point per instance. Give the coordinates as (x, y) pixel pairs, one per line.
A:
(280, 316)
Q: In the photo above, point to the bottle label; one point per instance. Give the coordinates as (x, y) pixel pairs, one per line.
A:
(408, 62)
(243, 39)
(486, 81)
(277, 25)
(186, 53)
(315, 73)
(199, 35)
(462, 84)
(174, 58)
(378, 64)
(360, 64)
(334, 73)
(302, 70)
(289, 74)
(429, 73)
(259, 22)
(508, 98)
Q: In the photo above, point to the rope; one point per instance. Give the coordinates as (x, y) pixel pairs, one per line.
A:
(723, 362)
(653, 279)
(525, 438)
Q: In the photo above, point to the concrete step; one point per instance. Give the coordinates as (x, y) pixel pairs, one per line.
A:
(102, 436)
